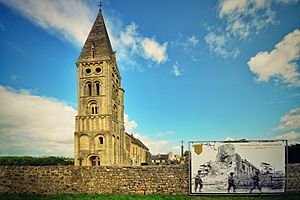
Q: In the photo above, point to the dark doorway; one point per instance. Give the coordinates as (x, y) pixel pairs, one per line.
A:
(95, 161)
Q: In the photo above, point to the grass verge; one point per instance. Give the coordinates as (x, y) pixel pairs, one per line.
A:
(139, 197)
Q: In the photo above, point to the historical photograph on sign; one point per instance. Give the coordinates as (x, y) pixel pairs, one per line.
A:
(247, 167)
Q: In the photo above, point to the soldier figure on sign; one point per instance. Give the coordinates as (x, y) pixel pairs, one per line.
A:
(231, 182)
(198, 181)
(255, 183)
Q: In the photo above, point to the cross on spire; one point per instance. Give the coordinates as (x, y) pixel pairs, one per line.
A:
(100, 5)
(98, 37)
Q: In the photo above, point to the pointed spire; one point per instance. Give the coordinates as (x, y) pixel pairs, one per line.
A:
(97, 45)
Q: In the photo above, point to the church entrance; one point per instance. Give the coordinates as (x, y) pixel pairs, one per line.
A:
(94, 161)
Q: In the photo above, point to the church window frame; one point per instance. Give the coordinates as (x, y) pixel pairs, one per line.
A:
(114, 91)
(101, 140)
(88, 71)
(97, 88)
(98, 70)
(89, 89)
(92, 108)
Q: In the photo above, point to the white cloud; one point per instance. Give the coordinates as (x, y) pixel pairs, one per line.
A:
(167, 133)
(280, 62)
(188, 45)
(34, 125)
(229, 6)
(242, 19)
(131, 42)
(247, 17)
(70, 20)
(176, 70)
(228, 138)
(218, 44)
(158, 146)
(154, 51)
(38, 126)
(290, 121)
(130, 37)
(155, 146)
(289, 136)
(130, 125)
(193, 40)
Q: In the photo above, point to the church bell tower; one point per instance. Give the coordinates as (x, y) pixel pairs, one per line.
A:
(99, 137)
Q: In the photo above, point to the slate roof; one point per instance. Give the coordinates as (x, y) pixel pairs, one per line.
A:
(160, 157)
(98, 37)
(137, 141)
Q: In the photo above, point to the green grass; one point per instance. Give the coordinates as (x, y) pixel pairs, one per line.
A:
(138, 197)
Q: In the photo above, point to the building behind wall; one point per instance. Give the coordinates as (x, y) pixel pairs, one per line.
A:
(100, 137)
(136, 150)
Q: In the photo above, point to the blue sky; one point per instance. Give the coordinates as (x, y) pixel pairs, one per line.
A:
(192, 70)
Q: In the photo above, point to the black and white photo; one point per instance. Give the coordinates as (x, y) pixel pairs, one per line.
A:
(244, 167)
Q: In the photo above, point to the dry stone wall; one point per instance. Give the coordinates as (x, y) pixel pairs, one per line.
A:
(293, 178)
(107, 180)
(110, 180)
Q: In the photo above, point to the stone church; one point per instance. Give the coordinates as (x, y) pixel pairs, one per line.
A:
(100, 138)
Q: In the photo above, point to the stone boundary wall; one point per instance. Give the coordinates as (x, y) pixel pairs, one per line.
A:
(293, 178)
(107, 180)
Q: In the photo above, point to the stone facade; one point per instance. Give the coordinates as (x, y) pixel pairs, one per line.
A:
(107, 180)
(100, 137)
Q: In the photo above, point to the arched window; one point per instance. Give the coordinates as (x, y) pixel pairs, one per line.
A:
(93, 108)
(97, 88)
(114, 92)
(89, 89)
(115, 111)
(101, 141)
(93, 50)
(84, 143)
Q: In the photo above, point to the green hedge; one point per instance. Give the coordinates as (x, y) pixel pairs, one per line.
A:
(35, 161)
(293, 157)
(293, 153)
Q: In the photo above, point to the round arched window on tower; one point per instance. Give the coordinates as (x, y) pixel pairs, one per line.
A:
(98, 70)
(88, 70)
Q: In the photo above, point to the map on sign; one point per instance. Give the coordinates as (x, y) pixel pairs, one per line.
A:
(238, 167)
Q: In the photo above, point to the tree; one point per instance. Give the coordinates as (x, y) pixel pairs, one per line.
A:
(293, 153)
(35, 161)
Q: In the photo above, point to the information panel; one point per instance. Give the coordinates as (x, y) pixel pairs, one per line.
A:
(239, 167)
